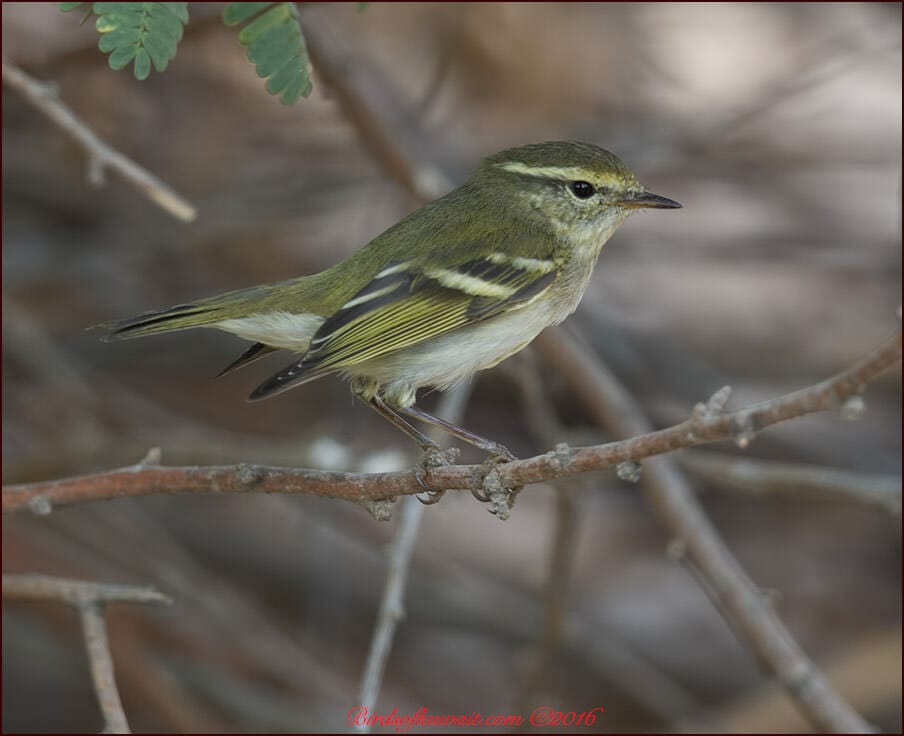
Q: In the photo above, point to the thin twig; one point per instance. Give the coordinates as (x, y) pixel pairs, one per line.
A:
(544, 424)
(451, 408)
(697, 540)
(100, 154)
(423, 183)
(76, 592)
(707, 424)
(90, 600)
(755, 476)
(101, 662)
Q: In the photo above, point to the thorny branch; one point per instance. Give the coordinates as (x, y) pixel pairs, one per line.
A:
(101, 155)
(89, 599)
(708, 424)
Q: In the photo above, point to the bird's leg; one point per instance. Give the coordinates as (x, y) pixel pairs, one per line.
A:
(497, 451)
(433, 455)
(384, 410)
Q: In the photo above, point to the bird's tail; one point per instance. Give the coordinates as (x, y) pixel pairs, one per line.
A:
(180, 317)
(201, 313)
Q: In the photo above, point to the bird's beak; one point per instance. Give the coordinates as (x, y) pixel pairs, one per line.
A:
(636, 200)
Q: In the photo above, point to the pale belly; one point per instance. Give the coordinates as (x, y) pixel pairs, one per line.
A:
(451, 358)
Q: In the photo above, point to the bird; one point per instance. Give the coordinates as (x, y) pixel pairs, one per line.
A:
(453, 288)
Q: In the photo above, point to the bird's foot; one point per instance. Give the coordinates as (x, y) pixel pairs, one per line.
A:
(434, 457)
(487, 486)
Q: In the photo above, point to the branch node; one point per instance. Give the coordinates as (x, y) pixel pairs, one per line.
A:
(152, 459)
(249, 474)
(381, 510)
(713, 407)
(628, 471)
(40, 505)
(743, 429)
(433, 458)
(719, 400)
(499, 498)
(561, 456)
(853, 408)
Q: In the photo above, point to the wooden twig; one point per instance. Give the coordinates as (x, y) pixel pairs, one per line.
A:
(342, 76)
(101, 155)
(89, 599)
(101, 662)
(708, 424)
(697, 541)
(757, 477)
(451, 408)
(75, 592)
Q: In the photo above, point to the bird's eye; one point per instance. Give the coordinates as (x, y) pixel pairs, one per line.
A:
(582, 189)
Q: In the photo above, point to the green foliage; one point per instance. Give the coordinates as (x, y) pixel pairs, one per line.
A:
(275, 45)
(146, 33)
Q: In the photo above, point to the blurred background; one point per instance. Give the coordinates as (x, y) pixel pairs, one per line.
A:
(777, 126)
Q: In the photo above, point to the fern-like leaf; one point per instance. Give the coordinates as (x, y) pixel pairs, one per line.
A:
(275, 45)
(146, 33)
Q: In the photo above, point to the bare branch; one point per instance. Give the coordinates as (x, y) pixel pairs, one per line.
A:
(75, 592)
(89, 599)
(101, 661)
(696, 539)
(757, 477)
(704, 426)
(451, 408)
(101, 155)
(423, 183)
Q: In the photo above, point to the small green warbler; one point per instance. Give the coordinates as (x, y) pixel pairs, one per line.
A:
(455, 287)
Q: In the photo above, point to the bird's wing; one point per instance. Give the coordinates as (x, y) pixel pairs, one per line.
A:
(409, 302)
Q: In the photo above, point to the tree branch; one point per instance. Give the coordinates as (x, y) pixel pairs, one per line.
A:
(101, 155)
(696, 540)
(89, 599)
(708, 424)
(392, 609)
(761, 477)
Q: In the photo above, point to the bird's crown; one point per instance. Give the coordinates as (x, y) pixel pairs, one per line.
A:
(565, 161)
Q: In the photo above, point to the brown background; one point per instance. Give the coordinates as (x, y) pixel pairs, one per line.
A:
(777, 126)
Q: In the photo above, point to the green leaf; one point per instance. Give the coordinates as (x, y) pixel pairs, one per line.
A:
(115, 39)
(149, 33)
(180, 10)
(142, 64)
(261, 25)
(269, 52)
(163, 24)
(236, 13)
(161, 50)
(276, 47)
(122, 56)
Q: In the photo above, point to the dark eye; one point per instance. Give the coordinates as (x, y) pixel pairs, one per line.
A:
(582, 189)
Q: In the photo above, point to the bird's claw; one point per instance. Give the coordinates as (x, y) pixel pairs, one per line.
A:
(434, 457)
(488, 489)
